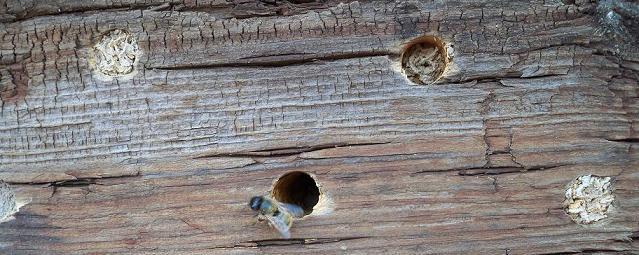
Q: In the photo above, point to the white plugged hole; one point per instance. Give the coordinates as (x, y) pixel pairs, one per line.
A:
(589, 198)
(8, 205)
(116, 54)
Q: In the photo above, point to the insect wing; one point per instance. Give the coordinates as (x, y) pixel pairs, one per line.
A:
(279, 224)
(295, 210)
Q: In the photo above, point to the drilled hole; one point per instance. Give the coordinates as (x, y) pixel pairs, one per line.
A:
(297, 188)
(424, 60)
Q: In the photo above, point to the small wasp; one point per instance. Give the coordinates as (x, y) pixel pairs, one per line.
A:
(279, 215)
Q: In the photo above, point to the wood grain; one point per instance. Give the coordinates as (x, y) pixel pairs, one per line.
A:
(228, 95)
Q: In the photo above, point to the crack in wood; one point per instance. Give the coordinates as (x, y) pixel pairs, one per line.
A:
(482, 171)
(279, 63)
(493, 170)
(285, 151)
(502, 170)
(587, 251)
(483, 110)
(302, 241)
(287, 242)
(299, 54)
(78, 181)
(634, 236)
(78, 11)
(238, 11)
(83, 182)
(60, 10)
(171, 114)
(20, 81)
(624, 140)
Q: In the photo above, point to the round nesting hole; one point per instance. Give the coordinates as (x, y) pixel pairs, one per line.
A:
(424, 59)
(116, 54)
(589, 198)
(297, 188)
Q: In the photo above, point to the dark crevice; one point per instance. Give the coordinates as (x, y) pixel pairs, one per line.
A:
(300, 54)
(501, 170)
(625, 140)
(498, 79)
(277, 63)
(227, 10)
(590, 44)
(484, 110)
(75, 183)
(78, 182)
(586, 251)
(32, 13)
(262, 8)
(301, 241)
(287, 242)
(284, 151)
(491, 170)
(80, 11)
(519, 75)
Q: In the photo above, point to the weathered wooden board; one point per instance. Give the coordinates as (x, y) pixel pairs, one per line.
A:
(229, 95)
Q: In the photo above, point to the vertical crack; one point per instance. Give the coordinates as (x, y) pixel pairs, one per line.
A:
(484, 110)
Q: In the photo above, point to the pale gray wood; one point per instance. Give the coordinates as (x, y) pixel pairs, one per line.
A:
(228, 95)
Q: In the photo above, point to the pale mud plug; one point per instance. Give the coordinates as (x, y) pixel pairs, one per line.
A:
(294, 195)
(116, 54)
(424, 60)
(589, 198)
(8, 204)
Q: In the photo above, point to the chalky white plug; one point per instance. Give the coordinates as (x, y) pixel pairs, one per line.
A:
(8, 203)
(115, 55)
(589, 199)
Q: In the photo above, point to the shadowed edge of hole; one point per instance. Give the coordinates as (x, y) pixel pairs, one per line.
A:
(425, 41)
(297, 188)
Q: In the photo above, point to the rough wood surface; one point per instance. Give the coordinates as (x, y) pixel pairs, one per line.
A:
(228, 95)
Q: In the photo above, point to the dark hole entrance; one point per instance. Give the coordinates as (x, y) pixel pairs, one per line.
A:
(297, 188)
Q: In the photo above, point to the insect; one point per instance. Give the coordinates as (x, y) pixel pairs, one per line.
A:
(279, 215)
